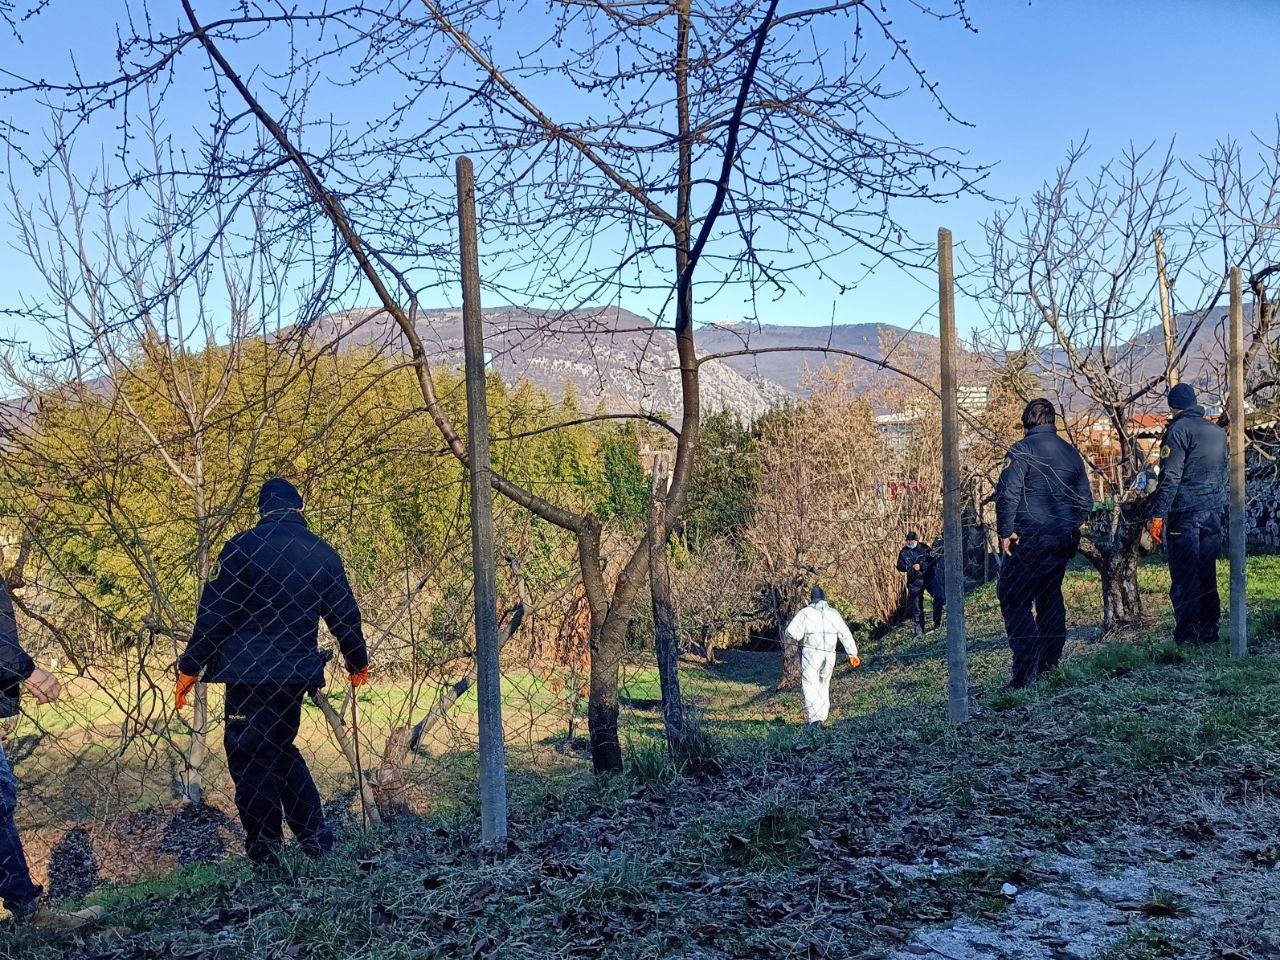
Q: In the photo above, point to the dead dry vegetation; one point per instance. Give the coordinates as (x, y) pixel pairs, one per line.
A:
(1127, 807)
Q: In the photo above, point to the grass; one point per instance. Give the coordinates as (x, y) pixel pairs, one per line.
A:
(780, 842)
(1143, 944)
(774, 833)
(649, 761)
(133, 905)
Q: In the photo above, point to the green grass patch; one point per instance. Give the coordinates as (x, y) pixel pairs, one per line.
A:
(1144, 944)
(139, 905)
(775, 833)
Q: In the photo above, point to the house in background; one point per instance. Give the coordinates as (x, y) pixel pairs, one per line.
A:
(1096, 439)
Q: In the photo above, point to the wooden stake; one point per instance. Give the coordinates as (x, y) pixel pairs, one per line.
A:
(355, 741)
(1166, 314)
(1236, 515)
(493, 775)
(953, 533)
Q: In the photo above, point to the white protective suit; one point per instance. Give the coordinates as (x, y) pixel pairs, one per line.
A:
(819, 628)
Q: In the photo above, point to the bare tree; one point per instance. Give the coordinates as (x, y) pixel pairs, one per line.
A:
(837, 491)
(703, 146)
(1076, 279)
(1241, 211)
(148, 361)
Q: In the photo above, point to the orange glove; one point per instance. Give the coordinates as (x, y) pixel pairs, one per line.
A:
(855, 662)
(186, 683)
(359, 678)
(1157, 529)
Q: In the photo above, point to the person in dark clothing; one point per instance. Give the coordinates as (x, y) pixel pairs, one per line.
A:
(935, 582)
(1188, 504)
(257, 632)
(1042, 498)
(20, 894)
(913, 560)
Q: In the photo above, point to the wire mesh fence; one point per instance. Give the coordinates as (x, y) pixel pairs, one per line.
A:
(129, 494)
(106, 580)
(106, 773)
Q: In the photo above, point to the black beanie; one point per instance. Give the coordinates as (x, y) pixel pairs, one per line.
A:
(278, 494)
(1182, 397)
(816, 594)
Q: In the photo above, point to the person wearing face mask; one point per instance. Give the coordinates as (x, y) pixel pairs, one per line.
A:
(914, 560)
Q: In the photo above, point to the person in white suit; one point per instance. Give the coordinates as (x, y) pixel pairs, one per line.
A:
(819, 628)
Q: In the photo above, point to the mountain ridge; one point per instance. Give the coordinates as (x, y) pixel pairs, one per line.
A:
(615, 359)
(619, 362)
(623, 363)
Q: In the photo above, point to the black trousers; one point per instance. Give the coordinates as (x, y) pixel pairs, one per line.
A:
(1030, 594)
(915, 603)
(939, 607)
(273, 784)
(1194, 542)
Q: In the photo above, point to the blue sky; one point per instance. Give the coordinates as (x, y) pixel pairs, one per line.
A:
(1034, 78)
(1038, 76)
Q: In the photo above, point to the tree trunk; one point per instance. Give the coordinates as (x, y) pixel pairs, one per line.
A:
(607, 642)
(1114, 547)
(1121, 602)
(790, 679)
(388, 780)
(1118, 570)
(666, 642)
(609, 619)
(198, 751)
(790, 649)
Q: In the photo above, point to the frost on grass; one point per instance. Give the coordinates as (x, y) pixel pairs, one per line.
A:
(1131, 799)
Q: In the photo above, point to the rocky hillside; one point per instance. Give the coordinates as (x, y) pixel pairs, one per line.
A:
(619, 360)
(612, 357)
(790, 367)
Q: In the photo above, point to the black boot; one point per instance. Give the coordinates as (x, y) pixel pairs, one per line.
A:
(1018, 683)
(1209, 636)
(317, 846)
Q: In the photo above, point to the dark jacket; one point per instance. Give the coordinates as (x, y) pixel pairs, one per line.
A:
(1193, 466)
(907, 558)
(15, 665)
(1043, 488)
(935, 575)
(259, 618)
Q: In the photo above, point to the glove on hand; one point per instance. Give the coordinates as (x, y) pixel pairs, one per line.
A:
(186, 683)
(359, 678)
